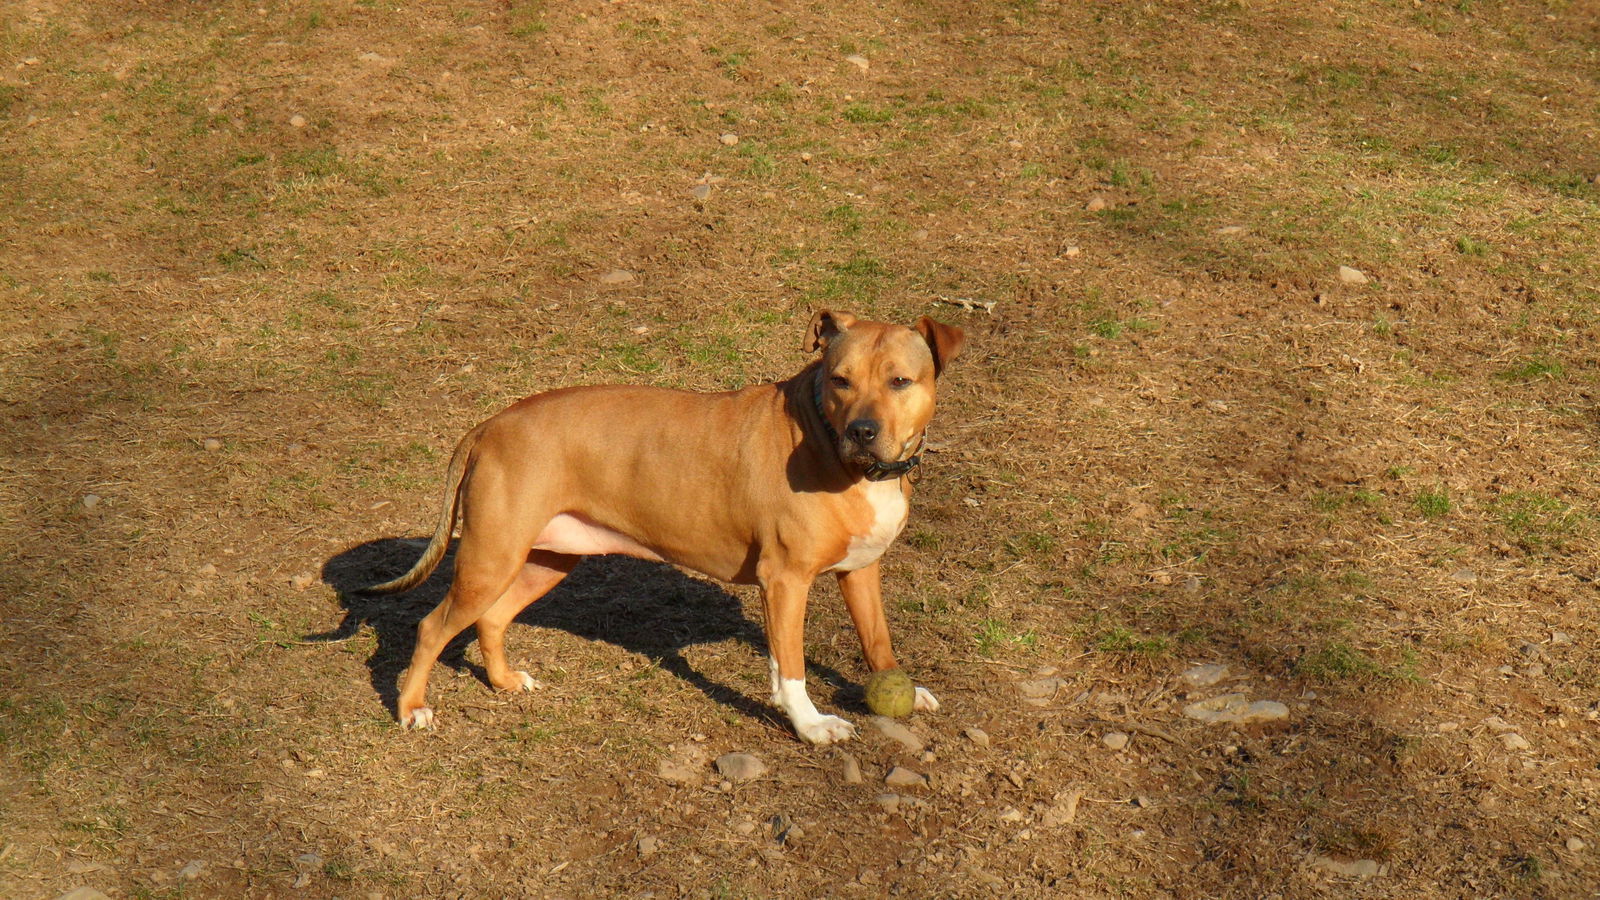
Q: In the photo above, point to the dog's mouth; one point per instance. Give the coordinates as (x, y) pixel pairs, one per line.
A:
(869, 457)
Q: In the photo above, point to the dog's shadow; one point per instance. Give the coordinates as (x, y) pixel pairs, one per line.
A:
(648, 608)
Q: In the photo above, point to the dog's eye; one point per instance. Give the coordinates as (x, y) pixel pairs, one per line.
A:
(841, 382)
(900, 382)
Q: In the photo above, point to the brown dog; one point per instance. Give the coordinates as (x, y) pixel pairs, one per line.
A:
(771, 485)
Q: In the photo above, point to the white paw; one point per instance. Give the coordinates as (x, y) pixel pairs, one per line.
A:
(526, 682)
(826, 730)
(925, 701)
(420, 719)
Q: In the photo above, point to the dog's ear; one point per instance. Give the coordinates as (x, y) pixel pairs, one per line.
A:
(944, 340)
(825, 326)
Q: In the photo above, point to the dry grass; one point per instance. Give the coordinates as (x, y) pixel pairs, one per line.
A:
(332, 235)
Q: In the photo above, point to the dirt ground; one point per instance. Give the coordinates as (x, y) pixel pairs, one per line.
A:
(263, 263)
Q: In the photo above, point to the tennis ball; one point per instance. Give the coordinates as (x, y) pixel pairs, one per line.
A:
(890, 693)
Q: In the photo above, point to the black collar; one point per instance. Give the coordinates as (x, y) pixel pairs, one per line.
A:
(877, 471)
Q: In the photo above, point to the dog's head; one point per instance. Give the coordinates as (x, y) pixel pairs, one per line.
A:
(877, 382)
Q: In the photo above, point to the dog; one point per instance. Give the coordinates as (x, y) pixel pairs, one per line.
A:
(772, 485)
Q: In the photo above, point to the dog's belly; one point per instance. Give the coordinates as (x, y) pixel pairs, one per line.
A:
(567, 533)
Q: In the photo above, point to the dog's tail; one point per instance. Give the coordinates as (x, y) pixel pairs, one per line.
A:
(460, 461)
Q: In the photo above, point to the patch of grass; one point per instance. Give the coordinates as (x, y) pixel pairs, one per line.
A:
(1335, 660)
(1432, 502)
(1537, 521)
(1534, 369)
(866, 114)
(1121, 639)
(994, 636)
(1467, 245)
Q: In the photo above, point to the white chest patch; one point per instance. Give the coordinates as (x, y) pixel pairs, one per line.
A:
(889, 510)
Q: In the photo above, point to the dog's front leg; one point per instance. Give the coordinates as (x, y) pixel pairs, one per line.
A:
(863, 596)
(784, 595)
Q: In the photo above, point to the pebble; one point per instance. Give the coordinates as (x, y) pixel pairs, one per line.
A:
(1011, 815)
(898, 733)
(1234, 709)
(83, 893)
(207, 571)
(1560, 637)
(1498, 725)
(90, 501)
(648, 845)
(728, 140)
(852, 770)
(308, 861)
(1115, 740)
(1232, 229)
(212, 445)
(192, 871)
(301, 582)
(701, 191)
(899, 776)
(1348, 275)
(1097, 203)
(805, 158)
(297, 120)
(1038, 688)
(1063, 811)
(618, 276)
(740, 766)
(1072, 251)
(1464, 576)
(1514, 741)
(684, 765)
(376, 58)
(1576, 844)
(889, 802)
(859, 61)
(977, 735)
(1204, 676)
(1355, 868)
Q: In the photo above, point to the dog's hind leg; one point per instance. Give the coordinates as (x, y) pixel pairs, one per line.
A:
(488, 560)
(543, 571)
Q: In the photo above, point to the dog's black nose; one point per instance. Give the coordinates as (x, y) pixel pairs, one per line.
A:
(862, 431)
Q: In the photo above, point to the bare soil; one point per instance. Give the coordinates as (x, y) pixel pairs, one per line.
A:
(263, 263)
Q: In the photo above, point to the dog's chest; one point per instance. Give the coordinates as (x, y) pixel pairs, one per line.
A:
(889, 508)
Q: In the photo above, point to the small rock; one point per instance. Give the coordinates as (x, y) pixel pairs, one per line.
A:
(1533, 670)
(1232, 229)
(685, 765)
(308, 861)
(1097, 203)
(889, 802)
(728, 140)
(1498, 725)
(1560, 637)
(745, 828)
(899, 776)
(90, 501)
(207, 571)
(805, 158)
(921, 234)
(740, 766)
(296, 449)
(1143, 802)
(1063, 811)
(1204, 676)
(859, 61)
(977, 735)
(1447, 727)
(1039, 688)
(302, 581)
(211, 445)
(297, 120)
(701, 191)
(1234, 709)
(1576, 844)
(852, 770)
(1514, 741)
(374, 58)
(1464, 576)
(83, 893)
(1416, 67)
(192, 871)
(1356, 868)
(1347, 275)
(648, 845)
(641, 329)
(1011, 815)
(618, 276)
(1072, 251)
(1115, 740)
(899, 733)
